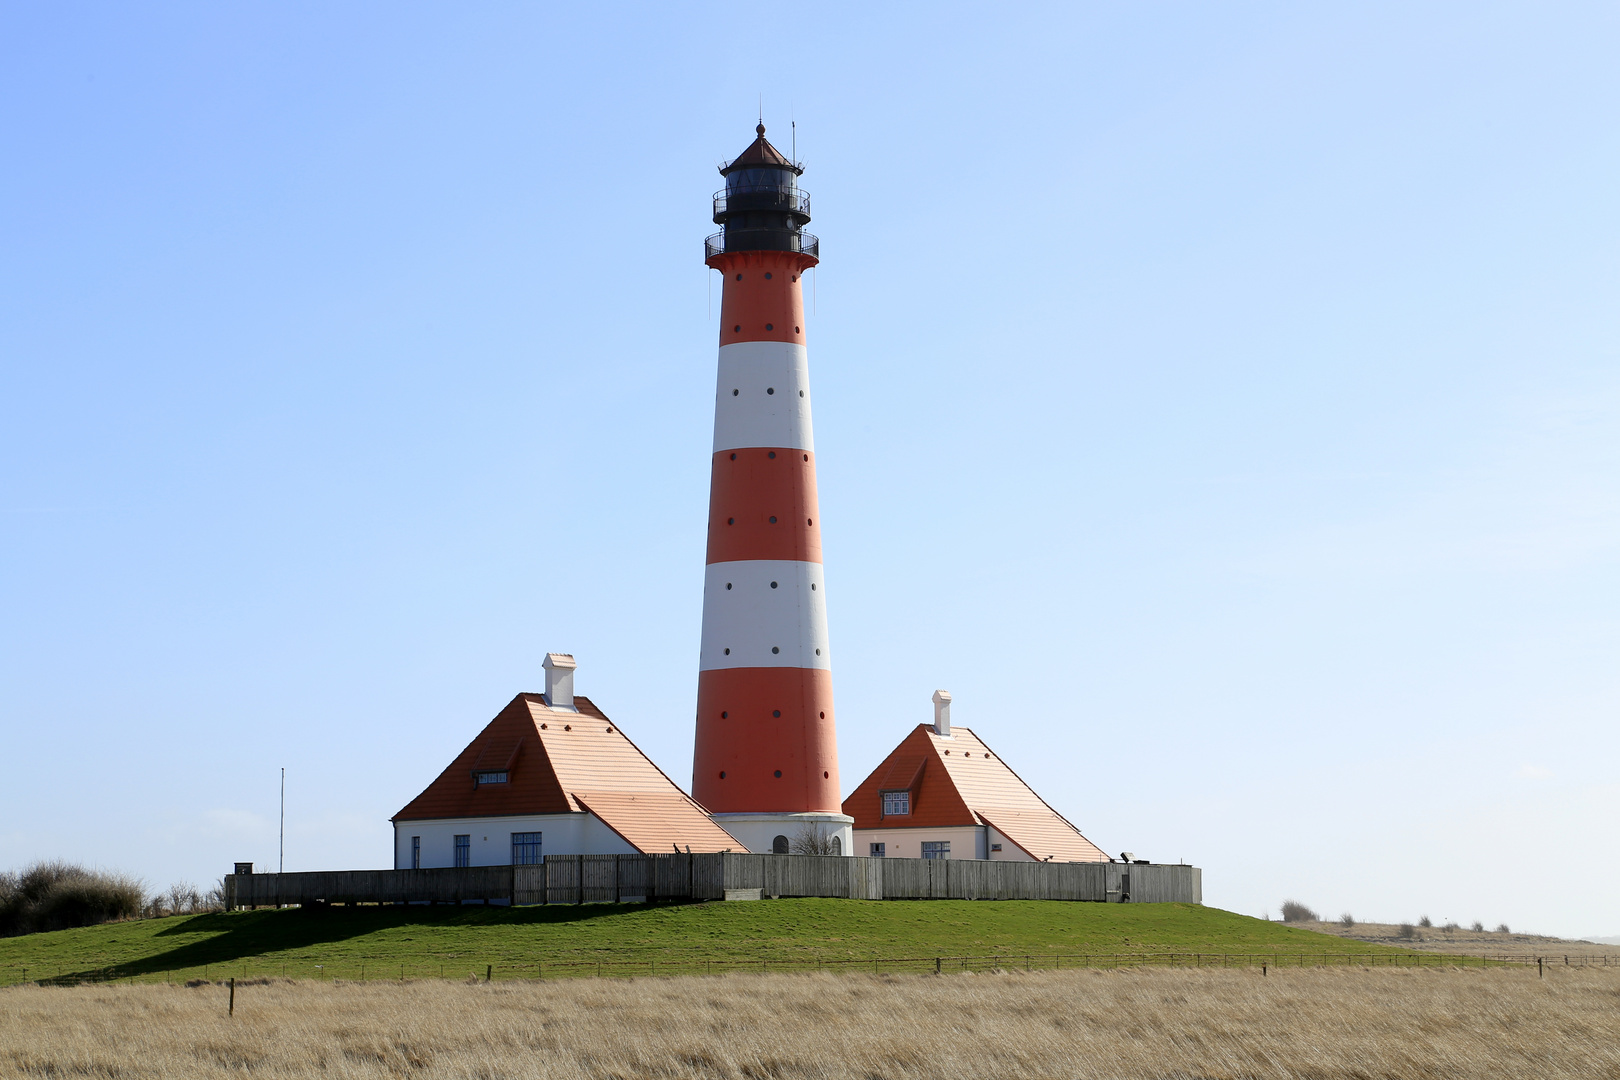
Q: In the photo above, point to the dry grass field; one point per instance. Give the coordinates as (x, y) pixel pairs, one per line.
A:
(1153, 1024)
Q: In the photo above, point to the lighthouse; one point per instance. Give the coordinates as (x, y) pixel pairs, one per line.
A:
(766, 757)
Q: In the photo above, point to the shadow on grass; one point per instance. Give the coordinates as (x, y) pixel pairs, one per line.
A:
(243, 935)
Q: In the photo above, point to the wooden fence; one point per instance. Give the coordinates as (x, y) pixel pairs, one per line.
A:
(586, 879)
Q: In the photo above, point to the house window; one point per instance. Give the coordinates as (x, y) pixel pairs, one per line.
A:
(896, 803)
(995, 847)
(838, 845)
(876, 850)
(416, 853)
(936, 849)
(526, 849)
(490, 778)
(779, 846)
(463, 850)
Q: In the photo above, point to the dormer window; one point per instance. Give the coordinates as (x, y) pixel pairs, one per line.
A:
(483, 778)
(896, 803)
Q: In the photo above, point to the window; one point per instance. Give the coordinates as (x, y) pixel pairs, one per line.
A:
(838, 845)
(995, 847)
(463, 850)
(526, 849)
(779, 846)
(416, 853)
(936, 849)
(896, 803)
(877, 850)
(490, 778)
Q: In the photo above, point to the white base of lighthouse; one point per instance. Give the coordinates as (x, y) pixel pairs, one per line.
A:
(784, 834)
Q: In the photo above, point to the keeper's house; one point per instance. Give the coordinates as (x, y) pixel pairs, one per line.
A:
(942, 793)
(550, 775)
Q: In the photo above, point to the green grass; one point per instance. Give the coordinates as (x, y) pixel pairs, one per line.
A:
(373, 942)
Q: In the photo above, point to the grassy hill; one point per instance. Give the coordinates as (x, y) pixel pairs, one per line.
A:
(384, 942)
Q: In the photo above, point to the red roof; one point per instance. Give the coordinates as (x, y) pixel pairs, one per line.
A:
(956, 781)
(557, 762)
(760, 155)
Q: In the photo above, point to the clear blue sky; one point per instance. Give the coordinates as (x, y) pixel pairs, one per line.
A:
(1221, 400)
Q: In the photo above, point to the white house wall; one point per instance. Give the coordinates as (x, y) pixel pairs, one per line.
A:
(1009, 850)
(967, 842)
(491, 838)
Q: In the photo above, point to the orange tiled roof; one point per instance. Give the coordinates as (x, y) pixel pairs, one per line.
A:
(553, 758)
(959, 781)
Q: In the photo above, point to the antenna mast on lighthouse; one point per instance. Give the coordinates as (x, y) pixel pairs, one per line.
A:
(766, 760)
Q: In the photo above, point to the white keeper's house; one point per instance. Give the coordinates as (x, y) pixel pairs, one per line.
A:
(550, 775)
(944, 794)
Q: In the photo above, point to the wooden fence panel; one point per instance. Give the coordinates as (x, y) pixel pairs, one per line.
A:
(529, 884)
(575, 879)
(599, 878)
(709, 876)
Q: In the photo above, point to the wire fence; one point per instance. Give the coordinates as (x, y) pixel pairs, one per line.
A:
(471, 968)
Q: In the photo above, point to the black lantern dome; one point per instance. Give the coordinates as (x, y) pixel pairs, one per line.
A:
(761, 207)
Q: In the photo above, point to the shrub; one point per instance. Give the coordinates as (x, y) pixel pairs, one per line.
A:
(814, 839)
(1501, 928)
(1407, 931)
(1425, 922)
(56, 895)
(1294, 911)
(1478, 927)
(1347, 920)
(1450, 928)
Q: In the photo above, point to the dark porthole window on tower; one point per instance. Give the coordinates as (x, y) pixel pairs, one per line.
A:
(796, 330)
(722, 774)
(733, 457)
(824, 716)
(772, 455)
(770, 390)
(722, 715)
(728, 652)
(812, 586)
(773, 584)
(768, 326)
(779, 774)
(773, 522)
(774, 649)
(731, 521)
(767, 275)
(739, 277)
(728, 586)
(777, 713)
(734, 394)
(737, 329)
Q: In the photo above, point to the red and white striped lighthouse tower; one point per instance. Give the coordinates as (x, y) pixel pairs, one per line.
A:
(766, 761)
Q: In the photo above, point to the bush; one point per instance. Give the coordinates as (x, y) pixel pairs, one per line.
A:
(813, 839)
(1407, 931)
(1347, 920)
(1501, 928)
(1425, 922)
(1294, 911)
(1478, 927)
(56, 895)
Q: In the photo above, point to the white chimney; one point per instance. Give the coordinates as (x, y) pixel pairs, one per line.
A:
(942, 712)
(559, 680)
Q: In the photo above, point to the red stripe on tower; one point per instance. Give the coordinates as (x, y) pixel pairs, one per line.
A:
(766, 760)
